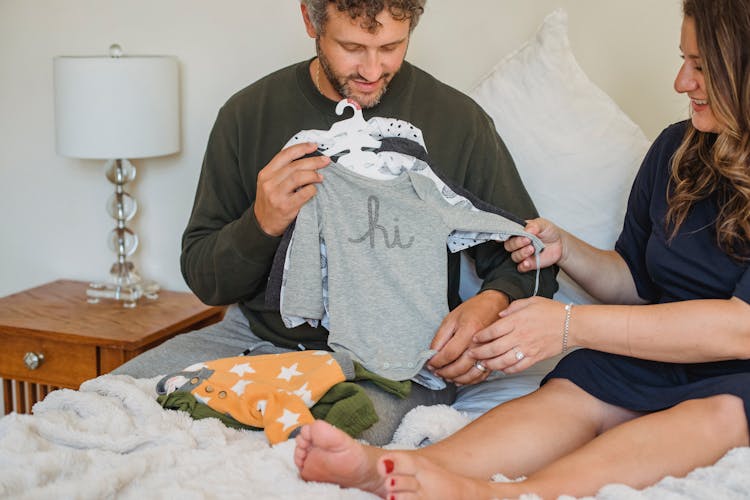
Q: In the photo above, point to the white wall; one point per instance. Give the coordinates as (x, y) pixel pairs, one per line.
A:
(52, 213)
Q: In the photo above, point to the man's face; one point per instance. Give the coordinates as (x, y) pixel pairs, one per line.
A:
(356, 63)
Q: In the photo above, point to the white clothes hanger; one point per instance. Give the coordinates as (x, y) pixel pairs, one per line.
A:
(356, 123)
(351, 135)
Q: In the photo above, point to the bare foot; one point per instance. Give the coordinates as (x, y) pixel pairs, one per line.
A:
(327, 454)
(409, 477)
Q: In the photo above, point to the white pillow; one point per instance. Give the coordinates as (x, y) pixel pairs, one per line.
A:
(575, 149)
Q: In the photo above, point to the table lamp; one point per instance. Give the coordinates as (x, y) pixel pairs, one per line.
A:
(117, 108)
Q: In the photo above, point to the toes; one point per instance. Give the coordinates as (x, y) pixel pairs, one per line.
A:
(396, 464)
(404, 496)
(299, 456)
(398, 471)
(399, 485)
(303, 438)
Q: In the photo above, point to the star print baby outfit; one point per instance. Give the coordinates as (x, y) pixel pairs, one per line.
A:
(273, 391)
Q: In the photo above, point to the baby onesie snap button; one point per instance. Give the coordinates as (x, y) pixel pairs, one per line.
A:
(209, 388)
(194, 380)
(222, 394)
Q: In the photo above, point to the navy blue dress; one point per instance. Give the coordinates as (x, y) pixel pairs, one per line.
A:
(692, 266)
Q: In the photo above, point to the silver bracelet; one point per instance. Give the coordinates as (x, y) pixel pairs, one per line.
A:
(566, 327)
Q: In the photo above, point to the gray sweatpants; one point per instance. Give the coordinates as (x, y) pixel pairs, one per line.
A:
(232, 336)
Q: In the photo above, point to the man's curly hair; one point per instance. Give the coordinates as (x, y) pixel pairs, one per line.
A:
(366, 11)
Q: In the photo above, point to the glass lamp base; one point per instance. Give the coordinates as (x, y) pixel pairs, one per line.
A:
(127, 293)
(125, 284)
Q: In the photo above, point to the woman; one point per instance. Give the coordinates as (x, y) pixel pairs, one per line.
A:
(662, 382)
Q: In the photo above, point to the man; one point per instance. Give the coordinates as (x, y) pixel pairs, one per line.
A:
(249, 192)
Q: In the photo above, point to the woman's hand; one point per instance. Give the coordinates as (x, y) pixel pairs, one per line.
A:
(522, 251)
(528, 331)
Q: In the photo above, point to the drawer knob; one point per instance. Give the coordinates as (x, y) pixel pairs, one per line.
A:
(33, 360)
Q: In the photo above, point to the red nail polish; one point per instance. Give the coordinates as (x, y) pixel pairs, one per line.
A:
(393, 482)
(388, 466)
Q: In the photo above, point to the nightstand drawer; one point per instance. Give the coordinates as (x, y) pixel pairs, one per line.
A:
(64, 364)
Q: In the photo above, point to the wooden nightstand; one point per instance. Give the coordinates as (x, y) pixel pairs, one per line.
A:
(51, 337)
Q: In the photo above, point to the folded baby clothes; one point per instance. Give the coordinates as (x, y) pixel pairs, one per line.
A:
(278, 392)
(274, 391)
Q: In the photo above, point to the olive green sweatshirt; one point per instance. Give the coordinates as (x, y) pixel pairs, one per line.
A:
(226, 257)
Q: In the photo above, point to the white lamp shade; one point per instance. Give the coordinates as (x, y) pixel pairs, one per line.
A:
(116, 107)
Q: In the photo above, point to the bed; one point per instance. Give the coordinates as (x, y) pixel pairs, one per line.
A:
(112, 439)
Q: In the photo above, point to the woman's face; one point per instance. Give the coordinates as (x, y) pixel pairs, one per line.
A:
(690, 80)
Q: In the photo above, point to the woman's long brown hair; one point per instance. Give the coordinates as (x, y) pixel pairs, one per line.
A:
(708, 164)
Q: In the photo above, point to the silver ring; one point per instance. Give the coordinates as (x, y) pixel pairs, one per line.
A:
(479, 366)
(519, 355)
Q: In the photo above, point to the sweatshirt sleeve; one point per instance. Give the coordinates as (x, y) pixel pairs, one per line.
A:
(226, 256)
(493, 177)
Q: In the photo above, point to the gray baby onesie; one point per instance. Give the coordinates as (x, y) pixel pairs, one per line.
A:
(385, 242)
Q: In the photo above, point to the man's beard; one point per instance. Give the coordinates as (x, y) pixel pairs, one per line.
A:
(341, 83)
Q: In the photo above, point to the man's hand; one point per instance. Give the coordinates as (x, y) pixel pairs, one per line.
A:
(285, 184)
(454, 337)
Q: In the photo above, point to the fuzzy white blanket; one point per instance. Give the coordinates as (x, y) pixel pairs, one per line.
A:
(111, 439)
